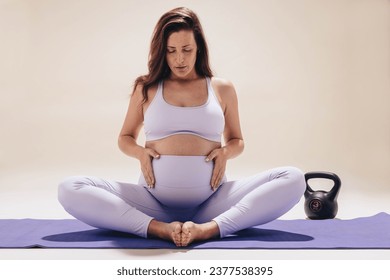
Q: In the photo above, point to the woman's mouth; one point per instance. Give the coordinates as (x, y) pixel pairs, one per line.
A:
(181, 68)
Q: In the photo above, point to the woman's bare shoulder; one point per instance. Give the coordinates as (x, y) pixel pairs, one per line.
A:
(138, 93)
(222, 83)
(224, 89)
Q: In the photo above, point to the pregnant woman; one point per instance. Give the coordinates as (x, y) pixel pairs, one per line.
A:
(182, 194)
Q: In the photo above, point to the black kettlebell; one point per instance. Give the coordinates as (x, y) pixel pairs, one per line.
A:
(321, 204)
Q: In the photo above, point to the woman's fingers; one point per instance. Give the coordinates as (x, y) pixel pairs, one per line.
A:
(220, 160)
(148, 175)
(211, 156)
(147, 167)
(218, 173)
(152, 153)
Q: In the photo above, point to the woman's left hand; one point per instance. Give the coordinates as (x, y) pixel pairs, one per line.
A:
(220, 158)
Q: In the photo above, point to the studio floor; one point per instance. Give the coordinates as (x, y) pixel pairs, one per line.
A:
(34, 195)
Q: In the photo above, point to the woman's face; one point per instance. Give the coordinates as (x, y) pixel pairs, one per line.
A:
(181, 54)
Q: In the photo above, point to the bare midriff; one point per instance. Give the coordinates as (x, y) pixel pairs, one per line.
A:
(183, 145)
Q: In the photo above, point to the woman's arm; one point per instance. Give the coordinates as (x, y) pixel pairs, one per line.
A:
(232, 134)
(234, 143)
(127, 140)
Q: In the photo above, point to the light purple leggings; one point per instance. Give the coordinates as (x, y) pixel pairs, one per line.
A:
(183, 193)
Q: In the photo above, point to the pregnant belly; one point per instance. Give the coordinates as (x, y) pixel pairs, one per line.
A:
(183, 145)
(181, 181)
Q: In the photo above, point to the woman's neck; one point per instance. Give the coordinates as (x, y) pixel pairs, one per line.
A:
(189, 78)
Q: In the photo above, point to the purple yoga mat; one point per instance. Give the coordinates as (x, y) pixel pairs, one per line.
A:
(359, 233)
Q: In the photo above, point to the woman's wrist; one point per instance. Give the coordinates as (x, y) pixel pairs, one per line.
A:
(139, 152)
(233, 148)
(130, 148)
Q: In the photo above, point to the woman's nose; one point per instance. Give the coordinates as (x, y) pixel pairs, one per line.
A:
(180, 58)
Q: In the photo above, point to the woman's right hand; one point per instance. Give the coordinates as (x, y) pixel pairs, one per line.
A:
(146, 159)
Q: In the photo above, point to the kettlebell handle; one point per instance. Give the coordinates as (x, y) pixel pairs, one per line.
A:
(325, 175)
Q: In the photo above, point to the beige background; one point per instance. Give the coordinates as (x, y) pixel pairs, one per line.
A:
(313, 80)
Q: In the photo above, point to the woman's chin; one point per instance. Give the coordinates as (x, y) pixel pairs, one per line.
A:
(180, 75)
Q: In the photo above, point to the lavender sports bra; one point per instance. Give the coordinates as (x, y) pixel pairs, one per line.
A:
(162, 119)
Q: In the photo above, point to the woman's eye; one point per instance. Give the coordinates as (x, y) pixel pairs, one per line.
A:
(187, 50)
(171, 51)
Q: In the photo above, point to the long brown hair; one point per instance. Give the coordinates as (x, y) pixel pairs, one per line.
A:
(173, 21)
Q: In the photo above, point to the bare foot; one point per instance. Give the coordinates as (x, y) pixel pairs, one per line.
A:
(167, 231)
(191, 231)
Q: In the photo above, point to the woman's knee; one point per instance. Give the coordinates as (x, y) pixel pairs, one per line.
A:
(297, 178)
(68, 186)
(294, 176)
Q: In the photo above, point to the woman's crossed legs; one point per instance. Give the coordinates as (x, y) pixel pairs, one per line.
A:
(132, 208)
